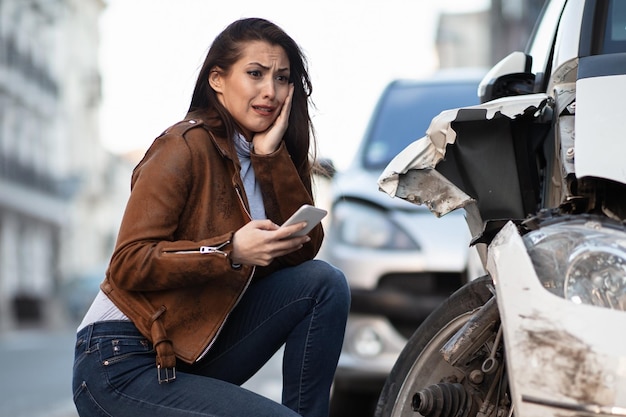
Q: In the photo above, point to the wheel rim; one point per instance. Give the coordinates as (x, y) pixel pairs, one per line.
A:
(428, 369)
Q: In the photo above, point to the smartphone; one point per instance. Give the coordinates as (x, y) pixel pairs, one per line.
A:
(309, 214)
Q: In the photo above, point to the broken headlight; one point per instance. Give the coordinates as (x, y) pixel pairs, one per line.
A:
(584, 262)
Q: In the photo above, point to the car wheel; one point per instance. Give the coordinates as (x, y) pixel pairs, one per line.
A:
(421, 369)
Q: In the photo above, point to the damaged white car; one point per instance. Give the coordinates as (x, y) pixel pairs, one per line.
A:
(539, 169)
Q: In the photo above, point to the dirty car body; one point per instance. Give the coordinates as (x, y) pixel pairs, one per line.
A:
(539, 169)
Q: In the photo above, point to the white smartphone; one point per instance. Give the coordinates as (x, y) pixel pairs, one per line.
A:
(309, 214)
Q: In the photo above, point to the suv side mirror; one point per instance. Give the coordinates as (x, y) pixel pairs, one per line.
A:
(509, 77)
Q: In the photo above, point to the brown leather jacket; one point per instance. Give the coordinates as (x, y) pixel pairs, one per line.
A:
(170, 272)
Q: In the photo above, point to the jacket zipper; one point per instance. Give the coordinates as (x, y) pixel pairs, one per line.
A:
(201, 249)
(208, 347)
(238, 190)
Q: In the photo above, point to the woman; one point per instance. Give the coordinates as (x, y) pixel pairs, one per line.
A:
(203, 286)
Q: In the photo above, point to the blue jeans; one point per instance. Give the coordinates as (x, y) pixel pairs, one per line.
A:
(303, 307)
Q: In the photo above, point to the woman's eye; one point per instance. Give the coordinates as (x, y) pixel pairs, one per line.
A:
(282, 79)
(255, 73)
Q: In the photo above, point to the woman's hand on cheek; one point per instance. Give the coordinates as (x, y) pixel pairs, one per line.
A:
(260, 241)
(267, 142)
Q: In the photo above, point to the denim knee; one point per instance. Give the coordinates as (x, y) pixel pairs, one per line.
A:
(334, 282)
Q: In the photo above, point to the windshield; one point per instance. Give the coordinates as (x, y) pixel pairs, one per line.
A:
(404, 113)
(542, 40)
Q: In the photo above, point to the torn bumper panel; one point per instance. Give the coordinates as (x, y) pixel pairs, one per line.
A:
(443, 195)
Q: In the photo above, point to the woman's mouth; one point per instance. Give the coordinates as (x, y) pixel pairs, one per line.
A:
(264, 109)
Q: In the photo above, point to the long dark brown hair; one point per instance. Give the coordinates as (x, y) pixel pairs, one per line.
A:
(226, 49)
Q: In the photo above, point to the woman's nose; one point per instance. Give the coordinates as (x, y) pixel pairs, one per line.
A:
(269, 89)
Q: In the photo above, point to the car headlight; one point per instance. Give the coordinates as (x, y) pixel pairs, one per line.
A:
(581, 262)
(365, 226)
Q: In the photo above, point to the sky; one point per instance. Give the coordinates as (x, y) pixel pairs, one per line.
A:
(151, 52)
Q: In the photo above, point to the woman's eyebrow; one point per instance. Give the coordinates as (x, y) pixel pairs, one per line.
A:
(285, 69)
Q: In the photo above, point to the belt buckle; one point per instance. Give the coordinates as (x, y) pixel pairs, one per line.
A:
(166, 374)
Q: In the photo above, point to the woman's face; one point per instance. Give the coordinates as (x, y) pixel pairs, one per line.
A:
(255, 88)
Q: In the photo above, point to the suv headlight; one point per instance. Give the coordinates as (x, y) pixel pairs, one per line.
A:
(581, 262)
(365, 226)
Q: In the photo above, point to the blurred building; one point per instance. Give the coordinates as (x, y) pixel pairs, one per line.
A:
(483, 37)
(59, 199)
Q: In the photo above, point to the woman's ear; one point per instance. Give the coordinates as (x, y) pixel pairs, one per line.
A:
(215, 80)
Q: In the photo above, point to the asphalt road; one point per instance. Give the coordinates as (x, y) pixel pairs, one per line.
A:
(36, 373)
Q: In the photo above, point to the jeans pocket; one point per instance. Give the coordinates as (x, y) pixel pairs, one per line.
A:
(86, 404)
(126, 359)
(117, 350)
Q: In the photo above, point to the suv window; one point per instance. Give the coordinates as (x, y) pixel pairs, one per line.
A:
(404, 113)
(615, 33)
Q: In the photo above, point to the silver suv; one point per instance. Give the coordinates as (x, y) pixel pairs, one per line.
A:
(401, 261)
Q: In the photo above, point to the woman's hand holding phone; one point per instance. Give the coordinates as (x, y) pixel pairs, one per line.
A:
(260, 241)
